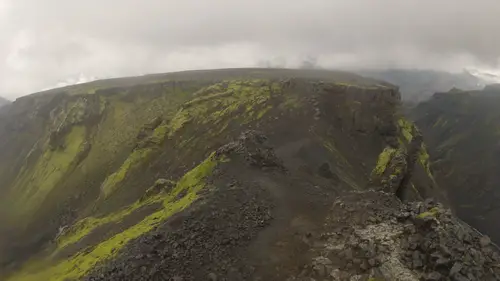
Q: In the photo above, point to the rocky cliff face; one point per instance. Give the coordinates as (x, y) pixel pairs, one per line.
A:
(373, 236)
(225, 175)
(462, 130)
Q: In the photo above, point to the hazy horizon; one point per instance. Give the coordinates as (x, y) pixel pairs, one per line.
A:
(52, 43)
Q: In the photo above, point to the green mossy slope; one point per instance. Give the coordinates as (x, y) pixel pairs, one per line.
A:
(85, 156)
(79, 264)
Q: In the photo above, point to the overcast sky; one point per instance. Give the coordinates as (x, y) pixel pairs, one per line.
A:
(45, 43)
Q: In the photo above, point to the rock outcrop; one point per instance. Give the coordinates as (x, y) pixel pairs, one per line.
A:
(373, 236)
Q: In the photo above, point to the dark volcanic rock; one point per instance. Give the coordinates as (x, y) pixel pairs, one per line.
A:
(373, 233)
(201, 244)
(208, 241)
(369, 234)
(251, 145)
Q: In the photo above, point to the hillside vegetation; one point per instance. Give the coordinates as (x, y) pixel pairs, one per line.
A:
(229, 174)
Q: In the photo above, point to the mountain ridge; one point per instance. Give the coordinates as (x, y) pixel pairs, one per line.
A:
(225, 173)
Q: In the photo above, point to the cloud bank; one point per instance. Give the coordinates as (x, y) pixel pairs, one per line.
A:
(58, 42)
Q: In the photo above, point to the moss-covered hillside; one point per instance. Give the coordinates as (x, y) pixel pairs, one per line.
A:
(462, 130)
(88, 172)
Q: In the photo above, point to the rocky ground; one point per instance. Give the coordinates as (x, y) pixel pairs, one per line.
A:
(365, 235)
(209, 239)
(99, 168)
(201, 244)
(368, 236)
(373, 236)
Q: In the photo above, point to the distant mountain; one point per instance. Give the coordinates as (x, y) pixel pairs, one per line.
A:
(4, 101)
(418, 85)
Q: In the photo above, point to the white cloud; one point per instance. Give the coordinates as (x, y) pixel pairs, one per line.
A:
(46, 42)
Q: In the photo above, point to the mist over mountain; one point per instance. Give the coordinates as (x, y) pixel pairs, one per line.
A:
(53, 42)
(4, 101)
(420, 85)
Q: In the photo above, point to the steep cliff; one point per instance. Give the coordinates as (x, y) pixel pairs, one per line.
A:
(462, 130)
(195, 173)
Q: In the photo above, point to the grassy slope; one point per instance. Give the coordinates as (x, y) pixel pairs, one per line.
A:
(101, 145)
(79, 264)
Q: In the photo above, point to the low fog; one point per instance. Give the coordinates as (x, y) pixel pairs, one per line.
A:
(53, 43)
